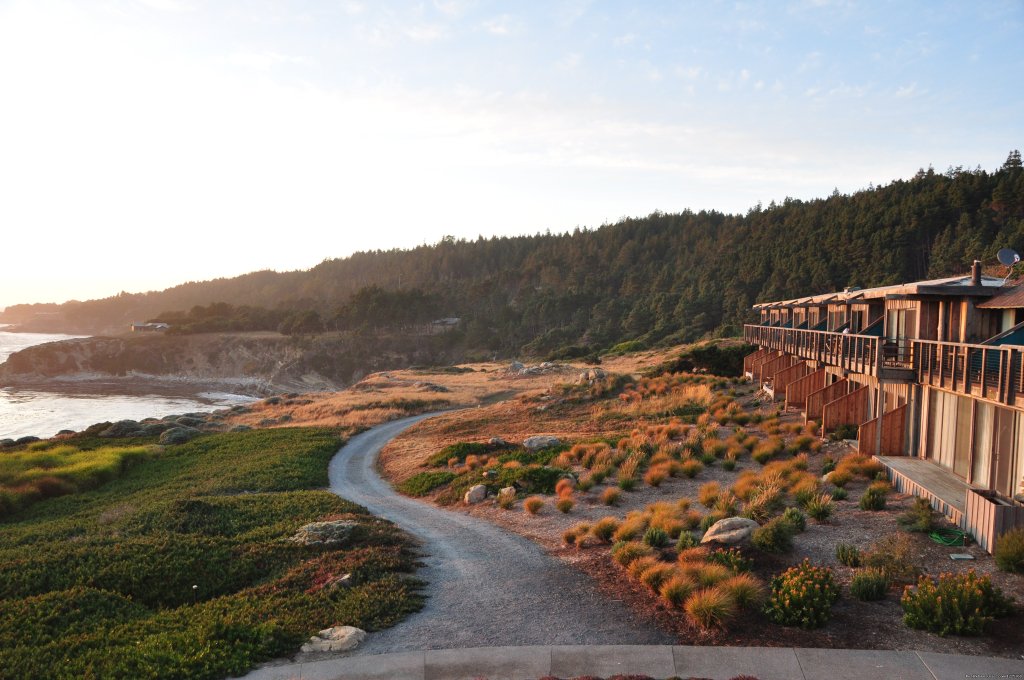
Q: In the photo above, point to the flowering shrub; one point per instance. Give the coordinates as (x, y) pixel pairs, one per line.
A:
(802, 596)
(961, 604)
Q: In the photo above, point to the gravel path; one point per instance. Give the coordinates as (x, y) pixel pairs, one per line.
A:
(485, 585)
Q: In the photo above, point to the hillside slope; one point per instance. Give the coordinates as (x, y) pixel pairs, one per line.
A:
(664, 277)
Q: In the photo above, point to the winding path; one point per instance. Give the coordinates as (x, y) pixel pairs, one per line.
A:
(485, 586)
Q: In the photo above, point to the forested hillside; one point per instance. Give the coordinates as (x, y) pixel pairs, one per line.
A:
(662, 277)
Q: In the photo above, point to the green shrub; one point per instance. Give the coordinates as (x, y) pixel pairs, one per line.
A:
(869, 584)
(844, 432)
(819, 507)
(957, 604)
(460, 451)
(423, 483)
(655, 537)
(828, 464)
(839, 494)
(1009, 553)
(918, 517)
(894, 554)
(710, 608)
(564, 505)
(729, 464)
(873, 499)
(802, 596)
(795, 519)
(848, 555)
(731, 558)
(686, 540)
(774, 537)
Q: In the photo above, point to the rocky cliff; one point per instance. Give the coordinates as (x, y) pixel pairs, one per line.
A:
(256, 363)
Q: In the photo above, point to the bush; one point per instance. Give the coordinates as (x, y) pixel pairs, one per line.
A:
(627, 552)
(604, 528)
(729, 464)
(731, 558)
(506, 498)
(774, 537)
(657, 575)
(894, 555)
(710, 608)
(691, 468)
(795, 519)
(802, 596)
(869, 584)
(848, 555)
(828, 464)
(533, 504)
(564, 505)
(873, 499)
(957, 604)
(677, 589)
(745, 590)
(424, 482)
(918, 517)
(686, 540)
(1009, 552)
(656, 538)
(839, 494)
(611, 496)
(708, 494)
(819, 507)
(627, 483)
(655, 476)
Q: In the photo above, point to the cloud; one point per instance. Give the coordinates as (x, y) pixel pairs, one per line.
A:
(623, 40)
(570, 62)
(425, 33)
(266, 59)
(168, 5)
(500, 25)
(909, 91)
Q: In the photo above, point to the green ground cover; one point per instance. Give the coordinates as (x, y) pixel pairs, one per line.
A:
(99, 583)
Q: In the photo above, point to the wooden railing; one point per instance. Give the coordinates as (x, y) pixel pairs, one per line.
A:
(988, 371)
(846, 350)
(992, 372)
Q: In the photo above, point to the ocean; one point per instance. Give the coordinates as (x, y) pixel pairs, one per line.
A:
(43, 414)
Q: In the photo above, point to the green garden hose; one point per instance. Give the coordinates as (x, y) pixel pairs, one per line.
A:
(949, 537)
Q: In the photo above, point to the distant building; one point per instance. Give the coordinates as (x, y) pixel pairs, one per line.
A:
(929, 374)
(148, 327)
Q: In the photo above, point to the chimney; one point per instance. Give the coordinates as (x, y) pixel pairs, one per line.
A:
(976, 273)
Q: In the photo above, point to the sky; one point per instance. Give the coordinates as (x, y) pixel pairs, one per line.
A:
(144, 143)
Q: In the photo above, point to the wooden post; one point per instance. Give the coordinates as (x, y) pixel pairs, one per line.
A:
(881, 398)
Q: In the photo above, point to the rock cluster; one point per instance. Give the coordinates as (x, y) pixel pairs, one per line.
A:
(542, 441)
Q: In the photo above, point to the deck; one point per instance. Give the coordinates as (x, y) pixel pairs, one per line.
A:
(920, 477)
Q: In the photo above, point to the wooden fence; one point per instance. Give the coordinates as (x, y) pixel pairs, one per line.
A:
(816, 400)
(770, 368)
(798, 390)
(988, 517)
(894, 429)
(849, 409)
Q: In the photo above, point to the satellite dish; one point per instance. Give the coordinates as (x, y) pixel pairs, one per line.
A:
(1008, 257)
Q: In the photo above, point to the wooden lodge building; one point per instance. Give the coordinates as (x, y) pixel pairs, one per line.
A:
(940, 364)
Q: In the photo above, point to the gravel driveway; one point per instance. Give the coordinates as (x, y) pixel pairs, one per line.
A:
(485, 586)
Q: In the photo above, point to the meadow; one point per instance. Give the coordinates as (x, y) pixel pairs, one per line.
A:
(181, 567)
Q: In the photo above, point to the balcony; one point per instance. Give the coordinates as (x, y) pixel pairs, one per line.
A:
(990, 372)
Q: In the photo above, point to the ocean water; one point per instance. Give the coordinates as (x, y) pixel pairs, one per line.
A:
(43, 414)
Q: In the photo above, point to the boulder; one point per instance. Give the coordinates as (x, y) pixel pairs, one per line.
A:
(123, 428)
(476, 494)
(6, 443)
(508, 491)
(154, 429)
(178, 435)
(336, 639)
(497, 441)
(240, 428)
(540, 442)
(21, 441)
(590, 376)
(730, 531)
(333, 532)
(191, 421)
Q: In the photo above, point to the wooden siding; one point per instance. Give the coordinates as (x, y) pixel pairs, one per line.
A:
(784, 378)
(798, 390)
(987, 518)
(849, 409)
(816, 400)
(894, 434)
(756, 364)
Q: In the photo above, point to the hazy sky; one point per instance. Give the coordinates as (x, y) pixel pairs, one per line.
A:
(148, 142)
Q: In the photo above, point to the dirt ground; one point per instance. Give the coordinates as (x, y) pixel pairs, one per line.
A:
(855, 624)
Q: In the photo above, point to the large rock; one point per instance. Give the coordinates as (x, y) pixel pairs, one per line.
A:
(123, 428)
(540, 442)
(590, 376)
(476, 494)
(336, 639)
(730, 531)
(179, 435)
(334, 532)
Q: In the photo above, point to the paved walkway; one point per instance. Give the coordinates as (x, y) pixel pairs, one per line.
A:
(657, 661)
